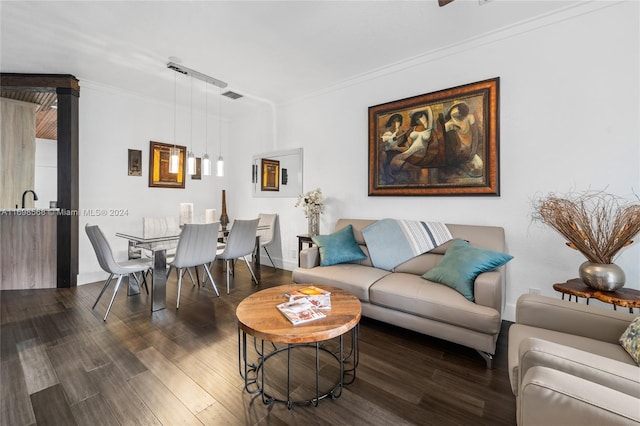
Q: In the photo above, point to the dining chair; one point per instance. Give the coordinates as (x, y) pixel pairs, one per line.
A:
(266, 231)
(197, 246)
(240, 243)
(109, 264)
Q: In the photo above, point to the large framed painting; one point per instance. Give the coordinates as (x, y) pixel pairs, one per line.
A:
(440, 143)
(159, 176)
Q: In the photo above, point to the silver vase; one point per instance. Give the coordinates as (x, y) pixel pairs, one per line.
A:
(602, 276)
(314, 224)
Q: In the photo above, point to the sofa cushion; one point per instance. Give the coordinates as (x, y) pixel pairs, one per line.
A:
(392, 242)
(352, 277)
(630, 340)
(339, 247)
(412, 294)
(462, 263)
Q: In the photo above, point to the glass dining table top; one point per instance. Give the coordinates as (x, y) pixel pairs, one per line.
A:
(149, 242)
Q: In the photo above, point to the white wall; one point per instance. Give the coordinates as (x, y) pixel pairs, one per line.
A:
(569, 114)
(111, 123)
(46, 172)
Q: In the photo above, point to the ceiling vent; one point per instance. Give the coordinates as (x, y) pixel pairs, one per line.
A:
(232, 95)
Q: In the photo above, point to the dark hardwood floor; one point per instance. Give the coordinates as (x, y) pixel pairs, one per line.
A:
(62, 365)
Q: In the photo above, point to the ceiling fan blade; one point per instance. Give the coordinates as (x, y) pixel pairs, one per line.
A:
(444, 2)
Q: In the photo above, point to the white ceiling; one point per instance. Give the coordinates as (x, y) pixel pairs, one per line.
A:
(272, 50)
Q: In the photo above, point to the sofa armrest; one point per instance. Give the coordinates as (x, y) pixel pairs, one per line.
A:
(310, 257)
(572, 318)
(598, 369)
(552, 397)
(487, 290)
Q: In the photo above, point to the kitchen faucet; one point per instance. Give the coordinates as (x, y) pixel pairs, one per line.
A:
(35, 196)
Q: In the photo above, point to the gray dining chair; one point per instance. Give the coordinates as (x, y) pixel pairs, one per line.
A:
(109, 264)
(197, 247)
(266, 231)
(240, 243)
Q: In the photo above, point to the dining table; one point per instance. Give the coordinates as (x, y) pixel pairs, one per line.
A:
(158, 247)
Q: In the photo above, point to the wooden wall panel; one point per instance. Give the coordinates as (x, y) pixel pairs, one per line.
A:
(17, 152)
(28, 251)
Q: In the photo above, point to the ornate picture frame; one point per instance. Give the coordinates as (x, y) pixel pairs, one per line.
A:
(440, 143)
(270, 175)
(159, 176)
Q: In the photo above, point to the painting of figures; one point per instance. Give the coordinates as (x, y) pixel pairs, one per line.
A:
(442, 143)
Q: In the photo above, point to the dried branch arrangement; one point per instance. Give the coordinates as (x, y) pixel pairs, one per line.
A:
(597, 224)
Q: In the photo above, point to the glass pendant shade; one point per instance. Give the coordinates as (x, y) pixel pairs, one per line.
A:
(174, 160)
(220, 166)
(191, 163)
(206, 165)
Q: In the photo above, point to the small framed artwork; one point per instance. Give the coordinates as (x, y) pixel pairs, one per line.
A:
(159, 176)
(135, 162)
(270, 175)
(440, 143)
(198, 174)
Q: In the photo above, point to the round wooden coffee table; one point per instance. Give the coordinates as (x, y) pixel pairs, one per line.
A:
(258, 317)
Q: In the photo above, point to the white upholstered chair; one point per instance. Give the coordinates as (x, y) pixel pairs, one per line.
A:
(266, 231)
(109, 264)
(197, 246)
(240, 244)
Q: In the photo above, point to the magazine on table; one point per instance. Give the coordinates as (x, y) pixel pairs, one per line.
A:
(299, 311)
(319, 297)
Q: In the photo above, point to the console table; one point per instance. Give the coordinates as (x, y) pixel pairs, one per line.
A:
(624, 297)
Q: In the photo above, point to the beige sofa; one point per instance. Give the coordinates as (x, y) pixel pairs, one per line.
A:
(567, 367)
(405, 299)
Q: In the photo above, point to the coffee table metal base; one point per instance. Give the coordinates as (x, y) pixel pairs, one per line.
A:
(254, 373)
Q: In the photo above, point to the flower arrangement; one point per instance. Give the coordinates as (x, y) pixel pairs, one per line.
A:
(595, 223)
(312, 202)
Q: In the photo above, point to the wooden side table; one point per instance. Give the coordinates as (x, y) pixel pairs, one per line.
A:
(303, 239)
(624, 297)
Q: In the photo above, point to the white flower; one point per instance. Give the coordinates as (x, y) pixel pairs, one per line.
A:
(312, 202)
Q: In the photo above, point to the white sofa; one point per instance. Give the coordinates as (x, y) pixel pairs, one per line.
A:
(404, 298)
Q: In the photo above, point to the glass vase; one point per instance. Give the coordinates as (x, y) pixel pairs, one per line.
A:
(314, 223)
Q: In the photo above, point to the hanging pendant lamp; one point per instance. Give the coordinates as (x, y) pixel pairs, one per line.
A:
(220, 163)
(174, 153)
(206, 162)
(191, 159)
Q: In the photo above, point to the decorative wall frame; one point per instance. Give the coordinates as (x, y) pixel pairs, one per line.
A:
(440, 143)
(159, 176)
(270, 175)
(135, 162)
(198, 174)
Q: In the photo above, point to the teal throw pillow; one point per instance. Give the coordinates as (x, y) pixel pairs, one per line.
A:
(339, 247)
(630, 340)
(462, 263)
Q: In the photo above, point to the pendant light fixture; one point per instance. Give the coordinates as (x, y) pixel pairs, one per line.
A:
(191, 159)
(220, 163)
(206, 162)
(174, 153)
